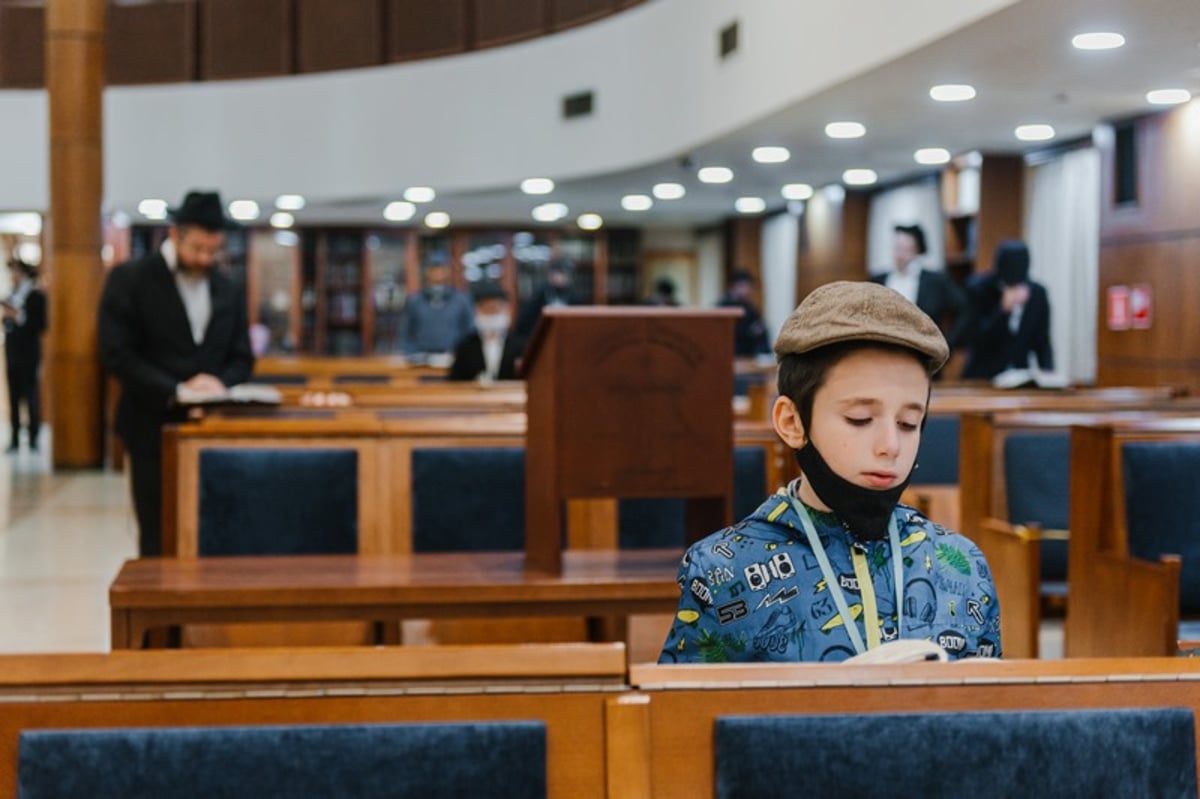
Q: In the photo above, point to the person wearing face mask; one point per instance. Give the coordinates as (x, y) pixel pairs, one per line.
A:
(437, 317)
(490, 351)
(832, 565)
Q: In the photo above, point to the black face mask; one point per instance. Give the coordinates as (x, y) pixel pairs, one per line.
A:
(865, 511)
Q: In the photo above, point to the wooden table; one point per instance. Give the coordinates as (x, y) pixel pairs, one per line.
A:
(151, 593)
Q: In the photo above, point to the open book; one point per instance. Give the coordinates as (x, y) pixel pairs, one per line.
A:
(1025, 378)
(902, 650)
(243, 393)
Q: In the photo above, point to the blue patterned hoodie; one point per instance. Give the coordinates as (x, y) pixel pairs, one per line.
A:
(755, 591)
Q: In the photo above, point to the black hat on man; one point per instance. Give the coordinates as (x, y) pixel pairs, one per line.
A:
(918, 234)
(202, 209)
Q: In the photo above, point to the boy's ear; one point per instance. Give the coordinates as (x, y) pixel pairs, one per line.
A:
(786, 418)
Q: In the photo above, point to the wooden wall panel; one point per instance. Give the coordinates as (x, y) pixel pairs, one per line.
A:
(245, 38)
(833, 241)
(22, 47)
(1155, 242)
(566, 13)
(504, 21)
(1001, 206)
(421, 29)
(743, 251)
(338, 34)
(151, 43)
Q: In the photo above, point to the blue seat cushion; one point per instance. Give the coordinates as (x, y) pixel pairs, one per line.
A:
(468, 499)
(937, 457)
(1037, 469)
(1047, 754)
(1162, 508)
(649, 523)
(278, 501)
(499, 759)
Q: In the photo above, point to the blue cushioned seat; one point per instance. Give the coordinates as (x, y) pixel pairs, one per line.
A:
(1037, 482)
(468, 499)
(281, 379)
(496, 759)
(278, 501)
(937, 457)
(367, 378)
(1162, 509)
(647, 523)
(1044, 754)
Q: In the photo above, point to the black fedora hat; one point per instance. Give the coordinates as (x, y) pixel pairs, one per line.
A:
(203, 209)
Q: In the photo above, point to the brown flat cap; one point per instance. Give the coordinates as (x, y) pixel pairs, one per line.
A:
(860, 311)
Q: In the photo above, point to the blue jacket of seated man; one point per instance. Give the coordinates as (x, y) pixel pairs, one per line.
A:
(755, 591)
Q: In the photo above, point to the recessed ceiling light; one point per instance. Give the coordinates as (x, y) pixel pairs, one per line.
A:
(399, 211)
(243, 210)
(952, 92)
(282, 219)
(859, 177)
(437, 219)
(290, 202)
(750, 205)
(1098, 41)
(932, 155)
(1036, 132)
(550, 212)
(797, 191)
(637, 202)
(845, 130)
(153, 209)
(537, 185)
(715, 174)
(770, 155)
(419, 194)
(668, 191)
(590, 221)
(1168, 96)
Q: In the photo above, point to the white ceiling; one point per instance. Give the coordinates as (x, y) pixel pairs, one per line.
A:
(1019, 59)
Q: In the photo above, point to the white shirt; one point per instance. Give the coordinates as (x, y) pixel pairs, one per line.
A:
(907, 282)
(194, 291)
(17, 300)
(493, 351)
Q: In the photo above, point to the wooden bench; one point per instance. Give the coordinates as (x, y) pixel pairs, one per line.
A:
(152, 593)
(671, 716)
(1120, 605)
(563, 685)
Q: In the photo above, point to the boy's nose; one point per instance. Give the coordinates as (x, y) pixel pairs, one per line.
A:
(888, 441)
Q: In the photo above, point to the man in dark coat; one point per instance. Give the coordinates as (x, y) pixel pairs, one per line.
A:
(931, 290)
(172, 328)
(24, 323)
(490, 351)
(1012, 317)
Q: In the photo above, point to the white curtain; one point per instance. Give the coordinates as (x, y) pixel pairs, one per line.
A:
(912, 204)
(1062, 228)
(780, 240)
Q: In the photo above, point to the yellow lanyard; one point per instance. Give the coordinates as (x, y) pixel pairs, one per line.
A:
(867, 589)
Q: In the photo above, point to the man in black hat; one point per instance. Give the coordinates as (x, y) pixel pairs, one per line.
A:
(930, 290)
(24, 313)
(490, 351)
(171, 326)
(1011, 317)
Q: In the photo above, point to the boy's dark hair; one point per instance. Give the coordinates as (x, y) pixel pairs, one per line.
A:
(801, 375)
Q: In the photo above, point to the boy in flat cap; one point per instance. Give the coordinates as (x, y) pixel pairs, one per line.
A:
(832, 565)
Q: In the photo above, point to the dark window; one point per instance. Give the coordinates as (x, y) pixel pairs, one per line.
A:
(1126, 188)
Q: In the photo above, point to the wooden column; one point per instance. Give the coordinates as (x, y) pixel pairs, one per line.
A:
(75, 84)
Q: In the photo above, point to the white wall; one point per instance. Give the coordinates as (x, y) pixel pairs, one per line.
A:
(485, 119)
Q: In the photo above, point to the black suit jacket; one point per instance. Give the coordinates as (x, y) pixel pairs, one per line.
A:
(146, 342)
(944, 302)
(23, 342)
(469, 363)
(994, 347)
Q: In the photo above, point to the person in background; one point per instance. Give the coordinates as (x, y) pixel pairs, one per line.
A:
(1012, 317)
(555, 292)
(171, 327)
(437, 317)
(664, 293)
(833, 565)
(24, 323)
(931, 290)
(490, 351)
(750, 331)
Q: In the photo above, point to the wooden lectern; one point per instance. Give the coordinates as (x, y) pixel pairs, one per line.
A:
(627, 402)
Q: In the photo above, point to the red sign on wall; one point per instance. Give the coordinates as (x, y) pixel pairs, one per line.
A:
(1118, 308)
(1140, 306)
